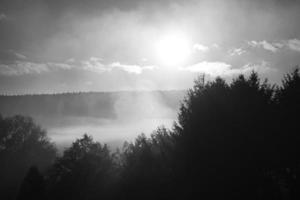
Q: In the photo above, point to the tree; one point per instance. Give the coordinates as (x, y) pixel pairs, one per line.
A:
(286, 129)
(224, 137)
(33, 186)
(85, 171)
(148, 167)
(22, 144)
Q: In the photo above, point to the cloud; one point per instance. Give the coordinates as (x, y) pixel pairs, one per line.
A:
(11, 56)
(237, 51)
(57, 66)
(293, 44)
(259, 67)
(264, 44)
(70, 60)
(216, 46)
(96, 65)
(136, 69)
(93, 64)
(210, 68)
(129, 68)
(20, 56)
(269, 46)
(224, 69)
(19, 68)
(200, 47)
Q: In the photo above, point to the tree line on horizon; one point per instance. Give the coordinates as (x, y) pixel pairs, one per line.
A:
(85, 104)
(237, 140)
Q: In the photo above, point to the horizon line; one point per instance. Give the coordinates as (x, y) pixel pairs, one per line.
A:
(85, 92)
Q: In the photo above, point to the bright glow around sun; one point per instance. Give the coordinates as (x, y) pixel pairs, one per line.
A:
(173, 49)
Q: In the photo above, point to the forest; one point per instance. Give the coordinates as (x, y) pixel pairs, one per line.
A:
(237, 140)
(84, 104)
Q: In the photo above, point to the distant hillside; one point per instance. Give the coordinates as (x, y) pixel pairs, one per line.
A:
(108, 105)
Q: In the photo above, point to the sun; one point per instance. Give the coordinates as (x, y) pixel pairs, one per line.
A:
(173, 49)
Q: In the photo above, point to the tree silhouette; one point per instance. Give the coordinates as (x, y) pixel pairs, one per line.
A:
(287, 129)
(235, 140)
(84, 171)
(33, 186)
(22, 144)
(222, 131)
(288, 98)
(227, 144)
(147, 166)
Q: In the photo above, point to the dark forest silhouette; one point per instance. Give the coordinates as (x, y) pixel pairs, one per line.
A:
(237, 140)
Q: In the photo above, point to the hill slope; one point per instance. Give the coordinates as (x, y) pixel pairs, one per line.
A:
(108, 116)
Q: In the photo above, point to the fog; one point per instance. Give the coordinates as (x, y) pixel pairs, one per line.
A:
(110, 117)
(112, 132)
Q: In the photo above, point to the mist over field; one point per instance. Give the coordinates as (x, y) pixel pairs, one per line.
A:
(110, 117)
(149, 100)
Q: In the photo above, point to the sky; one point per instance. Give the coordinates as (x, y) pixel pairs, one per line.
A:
(54, 46)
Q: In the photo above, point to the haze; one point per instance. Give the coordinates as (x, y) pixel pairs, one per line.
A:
(59, 46)
(111, 117)
(51, 46)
